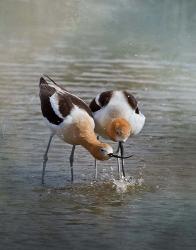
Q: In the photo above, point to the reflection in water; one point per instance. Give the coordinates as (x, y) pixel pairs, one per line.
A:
(91, 46)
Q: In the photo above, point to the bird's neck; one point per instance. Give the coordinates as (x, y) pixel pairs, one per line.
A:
(90, 142)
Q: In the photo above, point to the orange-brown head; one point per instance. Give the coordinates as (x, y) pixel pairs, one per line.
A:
(119, 129)
(101, 151)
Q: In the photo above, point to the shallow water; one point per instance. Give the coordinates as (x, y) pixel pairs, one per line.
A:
(90, 46)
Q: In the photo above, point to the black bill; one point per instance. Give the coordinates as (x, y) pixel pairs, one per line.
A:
(120, 157)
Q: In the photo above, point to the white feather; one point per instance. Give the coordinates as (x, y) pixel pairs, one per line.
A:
(118, 107)
(97, 100)
(55, 105)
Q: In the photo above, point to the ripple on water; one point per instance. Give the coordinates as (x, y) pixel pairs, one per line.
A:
(165, 150)
(96, 193)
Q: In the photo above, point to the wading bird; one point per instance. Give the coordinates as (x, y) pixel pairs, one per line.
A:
(70, 118)
(117, 117)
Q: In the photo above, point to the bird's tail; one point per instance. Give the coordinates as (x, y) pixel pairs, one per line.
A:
(51, 79)
(43, 81)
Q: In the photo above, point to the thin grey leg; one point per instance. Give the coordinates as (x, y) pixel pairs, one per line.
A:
(45, 158)
(118, 161)
(95, 169)
(71, 159)
(122, 160)
(96, 164)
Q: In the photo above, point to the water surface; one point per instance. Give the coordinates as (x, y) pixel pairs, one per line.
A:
(146, 47)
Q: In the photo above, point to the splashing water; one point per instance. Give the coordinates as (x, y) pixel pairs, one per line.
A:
(126, 183)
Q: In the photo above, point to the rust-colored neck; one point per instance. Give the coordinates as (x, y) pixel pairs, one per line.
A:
(91, 143)
(94, 146)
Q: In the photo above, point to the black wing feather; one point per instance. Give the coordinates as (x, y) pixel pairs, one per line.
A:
(66, 101)
(104, 99)
(45, 93)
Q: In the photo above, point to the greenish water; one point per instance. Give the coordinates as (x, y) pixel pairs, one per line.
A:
(147, 47)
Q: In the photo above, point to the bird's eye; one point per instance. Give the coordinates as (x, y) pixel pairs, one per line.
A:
(137, 110)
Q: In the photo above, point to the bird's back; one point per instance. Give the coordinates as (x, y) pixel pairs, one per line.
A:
(63, 110)
(57, 103)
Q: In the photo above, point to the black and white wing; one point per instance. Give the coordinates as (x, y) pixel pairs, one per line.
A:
(57, 103)
(100, 101)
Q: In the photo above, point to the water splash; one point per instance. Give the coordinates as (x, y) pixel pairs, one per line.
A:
(125, 184)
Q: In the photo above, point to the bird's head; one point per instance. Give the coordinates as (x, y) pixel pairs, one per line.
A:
(101, 151)
(119, 130)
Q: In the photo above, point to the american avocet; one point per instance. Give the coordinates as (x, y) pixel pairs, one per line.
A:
(70, 118)
(117, 117)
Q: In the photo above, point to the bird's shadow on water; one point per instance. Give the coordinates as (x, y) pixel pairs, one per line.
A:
(93, 197)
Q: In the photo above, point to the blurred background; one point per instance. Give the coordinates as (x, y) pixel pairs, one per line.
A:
(145, 46)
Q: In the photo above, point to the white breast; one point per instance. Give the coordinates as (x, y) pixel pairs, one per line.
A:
(118, 107)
